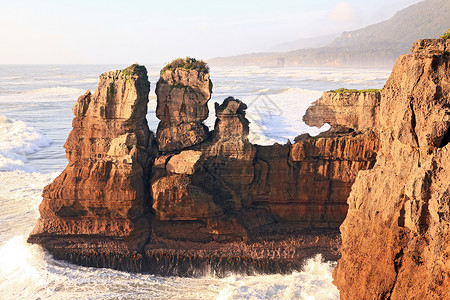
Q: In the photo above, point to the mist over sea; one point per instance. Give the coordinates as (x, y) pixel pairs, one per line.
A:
(35, 118)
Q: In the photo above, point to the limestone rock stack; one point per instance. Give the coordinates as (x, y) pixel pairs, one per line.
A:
(231, 155)
(309, 181)
(396, 237)
(205, 184)
(183, 92)
(103, 190)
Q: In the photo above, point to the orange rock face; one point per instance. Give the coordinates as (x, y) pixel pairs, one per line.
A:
(357, 110)
(396, 237)
(103, 191)
(310, 181)
(183, 95)
(307, 183)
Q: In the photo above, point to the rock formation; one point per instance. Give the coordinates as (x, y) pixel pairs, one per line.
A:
(102, 194)
(349, 108)
(206, 184)
(193, 198)
(309, 181)
(225, 193)
(396, 237)
(183, 91)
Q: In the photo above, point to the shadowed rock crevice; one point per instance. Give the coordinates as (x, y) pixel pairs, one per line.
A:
(445, 139)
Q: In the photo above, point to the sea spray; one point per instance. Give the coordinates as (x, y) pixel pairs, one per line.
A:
(16, 141)
(21, 268)
(313, 282)
(19, 201)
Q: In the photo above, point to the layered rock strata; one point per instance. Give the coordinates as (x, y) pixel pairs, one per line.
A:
(192, 200)
(396, 237)
(309, 181)
(349, 108)
(102, 195)
(183, 92)
(207, 185)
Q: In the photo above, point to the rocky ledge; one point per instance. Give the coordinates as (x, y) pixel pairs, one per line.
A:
(190, 201)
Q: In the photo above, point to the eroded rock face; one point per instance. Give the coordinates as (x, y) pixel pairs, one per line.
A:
(357, 110)
(396, 237)
(183, 93)
(207, 183)
(103, 190)
(309, 181)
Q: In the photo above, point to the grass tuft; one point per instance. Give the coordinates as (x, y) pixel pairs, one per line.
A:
(446, 35)
(345, 91)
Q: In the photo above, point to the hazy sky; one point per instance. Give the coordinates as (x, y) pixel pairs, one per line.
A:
(118, 31)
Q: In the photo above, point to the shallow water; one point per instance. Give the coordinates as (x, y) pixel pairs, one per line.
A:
(35, 119)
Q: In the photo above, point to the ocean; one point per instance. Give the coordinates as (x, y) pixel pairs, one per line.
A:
(35, 119)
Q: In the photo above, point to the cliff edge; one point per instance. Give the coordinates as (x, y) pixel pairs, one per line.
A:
(396, 236)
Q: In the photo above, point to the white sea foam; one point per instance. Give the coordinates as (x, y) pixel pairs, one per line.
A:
(276, 115)
(11, 77)
(21, 269)
(313, 282)
(43, 95)
(268, 91)
(16, 141)
(89, 80)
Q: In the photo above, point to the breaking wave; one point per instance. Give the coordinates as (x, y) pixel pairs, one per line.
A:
(16, 141)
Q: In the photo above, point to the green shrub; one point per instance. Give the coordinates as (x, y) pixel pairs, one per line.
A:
(188, 63)
(370, 91)
(446, 35)
(134, 69)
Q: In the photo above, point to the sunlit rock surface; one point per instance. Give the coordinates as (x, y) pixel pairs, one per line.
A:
(396, 237)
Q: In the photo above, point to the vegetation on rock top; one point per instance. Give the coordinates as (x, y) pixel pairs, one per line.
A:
(135, 69)
(344, 90)
(446, 35)
(188, 64)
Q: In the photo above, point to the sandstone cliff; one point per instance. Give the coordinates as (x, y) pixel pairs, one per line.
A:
(396, 237)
